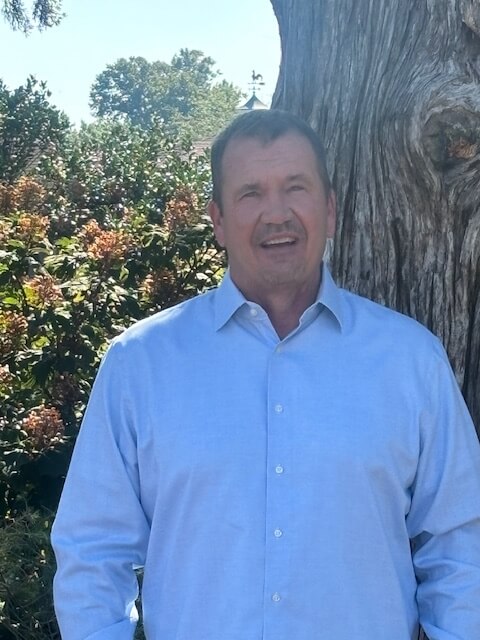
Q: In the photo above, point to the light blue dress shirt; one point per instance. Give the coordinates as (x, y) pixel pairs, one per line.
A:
(321, 487)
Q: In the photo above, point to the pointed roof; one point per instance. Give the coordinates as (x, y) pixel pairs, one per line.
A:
(252, 103)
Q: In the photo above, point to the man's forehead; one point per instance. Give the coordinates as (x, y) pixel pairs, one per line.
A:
(265, 141)
(248, 152)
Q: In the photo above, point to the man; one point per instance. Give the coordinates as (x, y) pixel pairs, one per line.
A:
(285, 459)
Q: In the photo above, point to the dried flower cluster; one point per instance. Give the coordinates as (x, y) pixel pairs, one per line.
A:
(44, 425)
(26, 194)
(160, 286)
(64, 389)
(13, 329)
(5, 230)
(109, 246)
(106, 246)
(89, 232)
(43, 291)
(29, 195)
(181, 210)
(31, 226)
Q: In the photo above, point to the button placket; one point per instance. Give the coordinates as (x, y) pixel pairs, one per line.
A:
(278, 490)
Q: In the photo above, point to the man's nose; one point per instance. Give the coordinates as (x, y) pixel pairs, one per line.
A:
(276, 209)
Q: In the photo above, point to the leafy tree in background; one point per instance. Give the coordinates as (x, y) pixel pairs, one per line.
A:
(30, 128)
(43, 14)
(183, 94)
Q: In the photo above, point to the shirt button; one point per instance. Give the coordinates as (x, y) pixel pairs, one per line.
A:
(253, 312)
(278, 533)
(279, 349)
(276, 597)
(278, 408)
(279, 468)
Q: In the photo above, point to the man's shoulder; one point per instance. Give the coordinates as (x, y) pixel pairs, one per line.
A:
(377, 319)
(185, 318)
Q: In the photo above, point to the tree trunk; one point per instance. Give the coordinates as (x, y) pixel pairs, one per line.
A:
(393, 87)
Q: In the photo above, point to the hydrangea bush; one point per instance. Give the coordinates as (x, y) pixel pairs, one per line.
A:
(91, 241)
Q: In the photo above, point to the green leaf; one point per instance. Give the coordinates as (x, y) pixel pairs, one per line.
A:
(124, 273)
(11, 301)
(15, 244)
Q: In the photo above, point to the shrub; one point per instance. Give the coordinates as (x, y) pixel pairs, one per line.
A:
(111, 232)
(26, 574)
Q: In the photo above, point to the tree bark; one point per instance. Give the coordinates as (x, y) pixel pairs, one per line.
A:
(393, 87)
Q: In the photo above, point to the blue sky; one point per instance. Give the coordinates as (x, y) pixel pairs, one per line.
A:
(240, 36)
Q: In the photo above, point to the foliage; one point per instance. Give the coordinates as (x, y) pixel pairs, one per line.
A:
(183, 94)
(108, 235)
(90, 242)
(27, 567)
(43, 14)
(26, 574)
(30, 128)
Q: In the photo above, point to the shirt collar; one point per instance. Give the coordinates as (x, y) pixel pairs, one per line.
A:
(228, 299)
(331, 297)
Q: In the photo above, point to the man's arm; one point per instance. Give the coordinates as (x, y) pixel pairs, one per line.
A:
(101, 533)
(444, 519)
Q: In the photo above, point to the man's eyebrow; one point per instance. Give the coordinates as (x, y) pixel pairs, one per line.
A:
(248, 186)
(298, 176)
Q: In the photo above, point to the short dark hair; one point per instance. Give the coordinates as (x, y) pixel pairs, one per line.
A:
(265, 125)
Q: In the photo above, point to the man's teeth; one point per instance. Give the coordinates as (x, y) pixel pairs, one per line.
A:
(279, 241)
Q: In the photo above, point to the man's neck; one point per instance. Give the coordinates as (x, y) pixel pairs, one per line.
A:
(285, 307)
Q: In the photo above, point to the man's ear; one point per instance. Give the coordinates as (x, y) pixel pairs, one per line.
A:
(331, 213)
(217, 221)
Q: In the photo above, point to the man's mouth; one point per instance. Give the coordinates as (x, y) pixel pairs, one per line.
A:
(275, 242)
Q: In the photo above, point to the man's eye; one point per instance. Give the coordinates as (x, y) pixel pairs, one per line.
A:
(296, 187)
(250, 194)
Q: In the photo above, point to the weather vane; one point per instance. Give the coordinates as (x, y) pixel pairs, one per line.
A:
(257, 81)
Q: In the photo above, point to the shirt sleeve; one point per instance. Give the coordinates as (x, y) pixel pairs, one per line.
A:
(444, 519)
(100, 533)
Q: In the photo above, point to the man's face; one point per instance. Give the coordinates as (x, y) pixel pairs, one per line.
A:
(275, 216)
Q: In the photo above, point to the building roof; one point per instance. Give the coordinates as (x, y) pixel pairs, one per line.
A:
(252, 103)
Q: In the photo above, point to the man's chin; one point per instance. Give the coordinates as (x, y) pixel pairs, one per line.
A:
(282, 278)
